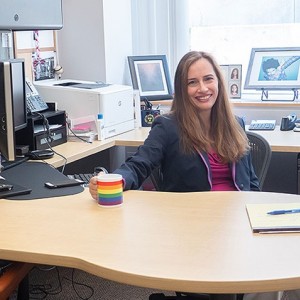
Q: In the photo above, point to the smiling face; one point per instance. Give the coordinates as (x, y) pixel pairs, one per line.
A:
(202, 85)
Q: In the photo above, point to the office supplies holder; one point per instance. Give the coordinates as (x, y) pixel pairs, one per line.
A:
(54, 135)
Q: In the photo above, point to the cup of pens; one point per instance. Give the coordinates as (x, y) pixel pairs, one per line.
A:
(110, 190)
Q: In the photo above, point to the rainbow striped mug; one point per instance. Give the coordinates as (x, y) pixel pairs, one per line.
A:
(110, 189)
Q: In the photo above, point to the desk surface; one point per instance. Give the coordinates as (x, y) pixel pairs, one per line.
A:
(280, 141)
(197, 242)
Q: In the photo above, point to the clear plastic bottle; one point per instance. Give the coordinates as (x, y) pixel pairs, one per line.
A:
(100, 127)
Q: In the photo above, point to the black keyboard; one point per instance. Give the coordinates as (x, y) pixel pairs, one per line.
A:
(84, 177)
(87, 176)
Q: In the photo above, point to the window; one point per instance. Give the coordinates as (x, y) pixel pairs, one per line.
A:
(230, 29)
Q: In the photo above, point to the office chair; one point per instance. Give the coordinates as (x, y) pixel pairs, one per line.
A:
(156, 178)
(261, 153)
(15, 278)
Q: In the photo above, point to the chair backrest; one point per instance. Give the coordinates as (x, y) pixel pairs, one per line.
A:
(261, 153)
(156, 178)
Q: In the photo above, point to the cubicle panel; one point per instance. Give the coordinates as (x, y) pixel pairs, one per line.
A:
(283, 173)
(87, 164)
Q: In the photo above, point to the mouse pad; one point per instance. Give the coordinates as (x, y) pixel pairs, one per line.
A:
(33, 175)
(16, 189)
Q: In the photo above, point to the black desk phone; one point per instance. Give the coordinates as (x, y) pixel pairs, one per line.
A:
(34, 101)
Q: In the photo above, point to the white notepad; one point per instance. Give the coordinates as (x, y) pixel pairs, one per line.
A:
(262, 222)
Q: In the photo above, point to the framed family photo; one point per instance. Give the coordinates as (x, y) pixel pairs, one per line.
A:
(150, 75)
(233, 77)
(273, 68)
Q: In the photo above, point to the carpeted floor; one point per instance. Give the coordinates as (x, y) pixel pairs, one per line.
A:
(65, 283)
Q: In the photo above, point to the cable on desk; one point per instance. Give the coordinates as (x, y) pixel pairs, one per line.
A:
(63, 157)
(46, 127)
(77, 136)
(49, 138)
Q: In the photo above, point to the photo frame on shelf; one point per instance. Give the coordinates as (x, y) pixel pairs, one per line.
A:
(233, 77)
(150, 75)
(274, 69)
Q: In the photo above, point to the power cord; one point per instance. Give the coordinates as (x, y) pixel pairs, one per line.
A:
(46, 127)
(41, 291)
(49, 138)
(76, 283)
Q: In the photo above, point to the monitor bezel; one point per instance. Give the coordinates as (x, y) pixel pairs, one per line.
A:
(15, 100)
(7, 128)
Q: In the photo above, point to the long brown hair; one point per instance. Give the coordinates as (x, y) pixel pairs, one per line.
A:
(228, 138)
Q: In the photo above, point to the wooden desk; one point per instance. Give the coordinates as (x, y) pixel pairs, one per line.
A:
(74, 151)
(283, 168)
(196, 242)
(280, 141)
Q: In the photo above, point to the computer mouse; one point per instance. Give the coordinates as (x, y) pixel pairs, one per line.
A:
(40, 154)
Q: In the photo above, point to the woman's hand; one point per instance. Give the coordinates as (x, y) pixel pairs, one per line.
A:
(93, 187)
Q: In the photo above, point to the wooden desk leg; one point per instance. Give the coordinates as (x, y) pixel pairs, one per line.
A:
(223, 297)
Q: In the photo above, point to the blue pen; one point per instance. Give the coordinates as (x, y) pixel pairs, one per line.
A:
(284, 211)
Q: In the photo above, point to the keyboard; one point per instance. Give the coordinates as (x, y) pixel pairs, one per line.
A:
(87, 176)
(262, 125)
(84, 177)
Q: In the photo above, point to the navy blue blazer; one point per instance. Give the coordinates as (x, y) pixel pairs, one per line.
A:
(181, 172)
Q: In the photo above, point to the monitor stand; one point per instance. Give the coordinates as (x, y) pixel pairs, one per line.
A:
(9, 164)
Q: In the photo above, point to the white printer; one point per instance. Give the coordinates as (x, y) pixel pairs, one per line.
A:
(81, 99)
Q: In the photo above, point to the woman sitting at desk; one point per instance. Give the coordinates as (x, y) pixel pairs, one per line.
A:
(200, 145)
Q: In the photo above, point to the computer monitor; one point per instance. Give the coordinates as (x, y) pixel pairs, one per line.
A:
(13, 113)
(31, 15)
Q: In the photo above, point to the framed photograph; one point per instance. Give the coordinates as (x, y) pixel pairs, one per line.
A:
(273, 68)
(233, 77)
(150, 75)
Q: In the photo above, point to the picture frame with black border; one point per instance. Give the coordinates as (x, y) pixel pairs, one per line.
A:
(233, 78)
(150, 75)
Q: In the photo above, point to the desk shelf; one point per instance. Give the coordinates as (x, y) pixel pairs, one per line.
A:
(37, 139)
